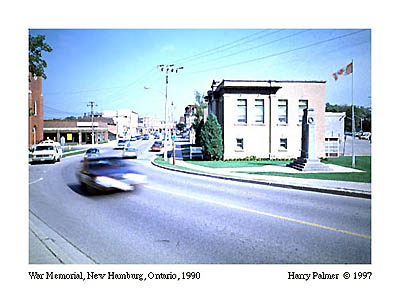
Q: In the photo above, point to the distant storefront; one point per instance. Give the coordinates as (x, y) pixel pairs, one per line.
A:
(76, 131)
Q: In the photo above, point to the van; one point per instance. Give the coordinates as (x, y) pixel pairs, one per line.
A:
(47, 151)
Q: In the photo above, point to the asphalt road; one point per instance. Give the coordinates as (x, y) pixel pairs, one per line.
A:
(187, 219)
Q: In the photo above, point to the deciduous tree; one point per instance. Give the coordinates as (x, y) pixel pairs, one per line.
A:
(37, 64)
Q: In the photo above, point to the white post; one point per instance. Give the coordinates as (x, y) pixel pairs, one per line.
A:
(353, 157)
(166, 115)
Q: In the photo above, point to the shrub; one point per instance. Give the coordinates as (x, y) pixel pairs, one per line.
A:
(211, 139)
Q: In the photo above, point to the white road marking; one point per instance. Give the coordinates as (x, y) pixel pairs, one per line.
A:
(40, 179)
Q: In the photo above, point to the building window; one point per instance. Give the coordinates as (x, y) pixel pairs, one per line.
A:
(239, 144)
(242, 110)
(283, 111)
(283, 144)
(303, 104)
(34, 108)
(260, 111)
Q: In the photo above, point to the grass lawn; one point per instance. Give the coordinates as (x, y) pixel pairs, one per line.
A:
(160, 160)
(362, 163)
(238, 164)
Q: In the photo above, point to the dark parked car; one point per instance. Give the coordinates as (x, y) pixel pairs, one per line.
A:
(92, 152)
(109, 174)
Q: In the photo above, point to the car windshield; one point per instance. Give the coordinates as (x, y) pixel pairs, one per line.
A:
(107, 164)
(131, 149)
(92, 151)
(45, 148)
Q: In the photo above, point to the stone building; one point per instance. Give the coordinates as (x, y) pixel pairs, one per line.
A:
(263, 118)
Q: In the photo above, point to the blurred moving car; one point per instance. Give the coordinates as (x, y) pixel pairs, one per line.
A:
(109, 174)
(92, 152)
(145, 136)
(138, 137)
(129, 152)
(121, 143)
(47, 151)
(156, 147)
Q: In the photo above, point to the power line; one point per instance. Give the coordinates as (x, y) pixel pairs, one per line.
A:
(234, 46)
(129, 85)
(281, 53)
(216, 48)
(60, 111)
(77, 92)
(253, 48)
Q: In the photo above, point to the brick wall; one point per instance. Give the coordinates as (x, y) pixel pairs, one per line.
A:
(36, 112)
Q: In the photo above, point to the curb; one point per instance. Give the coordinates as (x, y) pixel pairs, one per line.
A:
(59, 247)
(345, 192)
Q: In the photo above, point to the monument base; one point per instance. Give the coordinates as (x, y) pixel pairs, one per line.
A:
(304, 164)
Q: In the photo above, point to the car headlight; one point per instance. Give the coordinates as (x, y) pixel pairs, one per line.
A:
(110, 182)
(105, 181)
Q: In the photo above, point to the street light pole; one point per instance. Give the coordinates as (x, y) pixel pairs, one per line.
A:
(91, 112)
(167, 68)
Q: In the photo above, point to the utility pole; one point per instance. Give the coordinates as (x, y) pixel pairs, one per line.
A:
(167, 68)
(91, 112)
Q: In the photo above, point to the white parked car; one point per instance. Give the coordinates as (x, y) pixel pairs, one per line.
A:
(47, 151)
(129, 152)
(121, 144)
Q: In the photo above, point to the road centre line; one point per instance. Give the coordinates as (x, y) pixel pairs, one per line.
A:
(261, 213)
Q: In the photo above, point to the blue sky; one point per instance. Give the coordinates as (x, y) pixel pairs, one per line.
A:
(112, 67)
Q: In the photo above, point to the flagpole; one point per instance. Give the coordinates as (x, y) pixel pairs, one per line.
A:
(353, 158)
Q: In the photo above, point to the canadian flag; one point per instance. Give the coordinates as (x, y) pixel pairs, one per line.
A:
(349, 68)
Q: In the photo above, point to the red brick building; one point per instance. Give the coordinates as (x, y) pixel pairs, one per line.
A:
(35, 110)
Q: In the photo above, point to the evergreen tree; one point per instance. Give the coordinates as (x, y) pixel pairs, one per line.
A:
(211, 139)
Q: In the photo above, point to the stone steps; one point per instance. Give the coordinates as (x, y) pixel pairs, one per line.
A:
(302, 164)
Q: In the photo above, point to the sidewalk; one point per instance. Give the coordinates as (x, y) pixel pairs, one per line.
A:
(47, 247)
(355, 189)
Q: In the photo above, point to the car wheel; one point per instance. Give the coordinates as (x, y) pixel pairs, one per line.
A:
(88, 190)
(84, 187)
